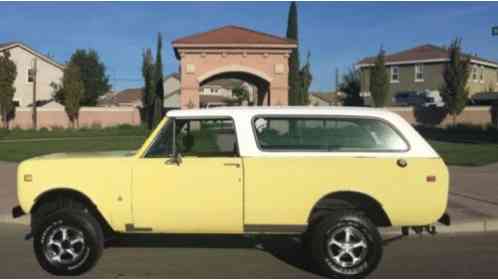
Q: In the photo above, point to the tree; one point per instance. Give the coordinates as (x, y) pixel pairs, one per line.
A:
(292, 33)
(8, 74)
(351, 87)
(71, 89)
(149, 92)
(158, 83)
(93, 75)
(455, 75)
(379, 82)
(305, 79)
(240, 94)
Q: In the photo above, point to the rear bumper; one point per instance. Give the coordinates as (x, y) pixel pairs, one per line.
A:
(17, 212)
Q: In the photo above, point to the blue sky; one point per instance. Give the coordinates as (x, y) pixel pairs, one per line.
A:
(338, 34)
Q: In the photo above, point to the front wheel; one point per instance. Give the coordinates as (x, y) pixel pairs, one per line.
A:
(68, 243)
(346, 244)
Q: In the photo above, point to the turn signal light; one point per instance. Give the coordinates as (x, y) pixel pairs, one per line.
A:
(431, 179)
(28, 178)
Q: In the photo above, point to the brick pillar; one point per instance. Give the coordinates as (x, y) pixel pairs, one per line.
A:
(190, 97)
(279, 96)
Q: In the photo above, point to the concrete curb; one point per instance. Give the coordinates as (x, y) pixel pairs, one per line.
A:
(7, 219)
(484, 225)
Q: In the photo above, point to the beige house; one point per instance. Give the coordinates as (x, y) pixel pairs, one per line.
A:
(217, 92)
(48, 72)
(326, 98)
(421, 68)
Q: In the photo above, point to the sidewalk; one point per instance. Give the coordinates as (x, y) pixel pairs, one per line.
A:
(472, 205)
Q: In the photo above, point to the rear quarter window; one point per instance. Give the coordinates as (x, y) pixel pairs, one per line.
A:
(331, 134)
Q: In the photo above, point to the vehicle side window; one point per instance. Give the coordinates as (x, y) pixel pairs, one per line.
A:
(163, 144)
(206, 137)
(327, 134)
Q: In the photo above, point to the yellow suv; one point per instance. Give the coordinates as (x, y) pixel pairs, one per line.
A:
(331, 175)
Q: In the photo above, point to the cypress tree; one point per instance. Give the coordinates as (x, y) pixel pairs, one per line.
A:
(305, 81)
(456, 74)
(379, 82)
(158, 83)
(148, 91)
(294, 79)
(8, 74)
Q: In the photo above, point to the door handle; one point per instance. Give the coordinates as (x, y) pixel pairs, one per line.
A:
(401, 163)
(237, 165)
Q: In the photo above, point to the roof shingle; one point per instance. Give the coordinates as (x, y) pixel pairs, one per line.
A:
(422, 52)
(233, 35)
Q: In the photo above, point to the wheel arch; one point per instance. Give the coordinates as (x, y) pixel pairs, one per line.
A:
(69, 193)
(372, 208)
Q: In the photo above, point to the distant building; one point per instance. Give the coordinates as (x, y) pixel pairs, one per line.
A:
(326, 98)
(421, 69)
(49, 71)
(215, 93)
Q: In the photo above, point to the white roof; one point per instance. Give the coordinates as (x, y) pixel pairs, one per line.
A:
(282, 110)
(248, 147)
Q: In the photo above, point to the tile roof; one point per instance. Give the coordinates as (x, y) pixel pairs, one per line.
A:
(233, 35)
(422, 52)
(48, 59)
(128, 95)
(3, 45)
(329, 97)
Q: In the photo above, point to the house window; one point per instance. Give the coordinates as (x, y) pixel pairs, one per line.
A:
(481, 74)
(31, 75)
(394, 74)
(474, 73)
(419, 72)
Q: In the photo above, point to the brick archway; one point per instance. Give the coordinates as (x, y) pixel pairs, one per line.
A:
(233, 49)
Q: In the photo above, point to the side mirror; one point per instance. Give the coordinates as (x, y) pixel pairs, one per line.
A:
(175, 159)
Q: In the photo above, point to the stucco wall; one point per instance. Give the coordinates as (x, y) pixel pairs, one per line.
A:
(269, 65)
(88, 116)
(480, 115)
(490, 81)
(47, 73)
(433, 79)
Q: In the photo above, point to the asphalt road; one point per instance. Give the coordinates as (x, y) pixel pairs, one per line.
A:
(464, 255)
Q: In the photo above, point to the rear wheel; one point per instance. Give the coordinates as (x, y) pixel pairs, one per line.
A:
(346, 244)
(68, 242)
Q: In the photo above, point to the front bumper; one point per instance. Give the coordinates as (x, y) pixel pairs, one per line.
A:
(17, 212)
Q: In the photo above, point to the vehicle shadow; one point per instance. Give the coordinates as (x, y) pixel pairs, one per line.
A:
(287, 249)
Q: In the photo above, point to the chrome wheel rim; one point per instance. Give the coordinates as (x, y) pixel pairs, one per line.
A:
(347, 246)
(64, 245)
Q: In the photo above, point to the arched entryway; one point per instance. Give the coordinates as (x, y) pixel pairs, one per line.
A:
(257, 88)
(234, 53)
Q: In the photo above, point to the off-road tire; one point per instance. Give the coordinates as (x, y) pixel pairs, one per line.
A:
(347, 220)
(77, 220)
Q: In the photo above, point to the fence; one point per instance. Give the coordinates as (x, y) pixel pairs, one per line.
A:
(57, 117)
(105, 116)
(479, 115)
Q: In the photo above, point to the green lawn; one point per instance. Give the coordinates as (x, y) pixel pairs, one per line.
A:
(466, 154)
(21, 150)
(453, 153)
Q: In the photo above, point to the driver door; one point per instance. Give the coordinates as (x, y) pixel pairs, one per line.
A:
(190, 180)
